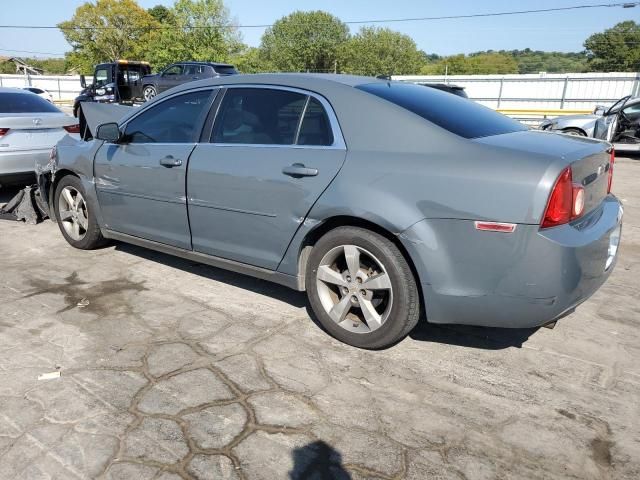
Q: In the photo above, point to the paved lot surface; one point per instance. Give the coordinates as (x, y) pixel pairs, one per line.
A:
(170, 369)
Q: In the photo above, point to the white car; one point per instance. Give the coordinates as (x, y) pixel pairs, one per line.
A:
(41, 92)
(29, 128)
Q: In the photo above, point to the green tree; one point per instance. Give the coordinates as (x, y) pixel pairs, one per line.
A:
(616, 49)
(251, 60)
(474, 64)
(304, 41)
(105, 31)
(162, 14)
(374, 51)
(193, 30)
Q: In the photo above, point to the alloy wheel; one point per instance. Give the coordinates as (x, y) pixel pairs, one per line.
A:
(354, 288)
(149, 93)
(72, 210)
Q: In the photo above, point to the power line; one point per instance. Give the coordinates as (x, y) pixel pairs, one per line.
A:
(352, 22)
(30, 51)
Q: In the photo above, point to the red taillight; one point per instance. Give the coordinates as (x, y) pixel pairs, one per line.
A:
(566, 201)
(612, 160)
(3, 131)
(73, 128)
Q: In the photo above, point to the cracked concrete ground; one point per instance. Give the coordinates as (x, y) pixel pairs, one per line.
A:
(175, 370)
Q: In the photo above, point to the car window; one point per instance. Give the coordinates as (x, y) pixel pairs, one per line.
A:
(24, 103)
(225, 70)
(172, 121)
(258, 116)
(451, 112)
(315, 128)
(632, 112)
(173, 70)
(193, 69)
(102, 77)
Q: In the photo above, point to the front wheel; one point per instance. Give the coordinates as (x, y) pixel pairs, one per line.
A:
(361, 288)
(149, 92)
(576, 132)
(76, 220)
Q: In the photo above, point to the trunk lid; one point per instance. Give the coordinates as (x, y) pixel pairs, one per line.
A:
(588, 158)
(33, 131)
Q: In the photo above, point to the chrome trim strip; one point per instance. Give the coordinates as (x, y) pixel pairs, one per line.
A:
(290, 281)
(179, 201)
(205, 204)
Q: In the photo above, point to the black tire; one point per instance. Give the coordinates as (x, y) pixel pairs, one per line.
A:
(404, 312)
(92, 237)
(574, 131)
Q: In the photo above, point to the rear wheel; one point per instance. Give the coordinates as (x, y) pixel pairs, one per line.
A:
(148, 92)
(361, 288)
(76, 221)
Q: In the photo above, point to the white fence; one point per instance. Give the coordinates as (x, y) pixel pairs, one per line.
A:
(567, 91)
(62, 87)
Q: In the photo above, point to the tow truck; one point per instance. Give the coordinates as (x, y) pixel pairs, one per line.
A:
(113, 82)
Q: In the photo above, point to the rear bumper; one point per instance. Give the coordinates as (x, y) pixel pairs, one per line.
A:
(22, 161)
(524, 279)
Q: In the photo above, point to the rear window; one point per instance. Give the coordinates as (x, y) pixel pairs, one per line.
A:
(458, 115)
(24, 103)
(226, 70)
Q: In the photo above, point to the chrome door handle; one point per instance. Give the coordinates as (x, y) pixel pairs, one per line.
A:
(299, 170)
(169, 161)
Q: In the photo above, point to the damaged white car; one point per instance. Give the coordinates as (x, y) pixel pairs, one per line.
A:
(618, 124)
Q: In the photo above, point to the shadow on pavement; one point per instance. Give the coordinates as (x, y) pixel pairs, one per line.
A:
(7, 193)
(485, 338)
(318, 461)
(262, 287)
(465, 336)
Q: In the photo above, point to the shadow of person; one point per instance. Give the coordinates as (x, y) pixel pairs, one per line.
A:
(318, 461)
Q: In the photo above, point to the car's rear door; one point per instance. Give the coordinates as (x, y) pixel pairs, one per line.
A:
(272, 152)
(140, 181)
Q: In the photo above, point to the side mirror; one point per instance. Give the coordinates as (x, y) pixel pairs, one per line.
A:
(83, 81)
(599, 110)
(109, 132)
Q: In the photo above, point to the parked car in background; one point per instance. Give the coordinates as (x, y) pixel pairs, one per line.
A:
(618, 124)
(29, 127)
(182, 72)
(41, 92)
(383, 200)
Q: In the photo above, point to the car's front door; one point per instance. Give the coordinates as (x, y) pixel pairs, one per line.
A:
(141, 180)
(272, 153)
(171, 77)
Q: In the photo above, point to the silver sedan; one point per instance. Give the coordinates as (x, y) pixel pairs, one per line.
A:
(29, 127)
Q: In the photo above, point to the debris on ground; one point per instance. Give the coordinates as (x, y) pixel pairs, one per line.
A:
(25, 207)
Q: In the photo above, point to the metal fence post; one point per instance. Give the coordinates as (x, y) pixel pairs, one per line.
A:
(59, 95)
(500, 92)
(635, 89)
(564, 92)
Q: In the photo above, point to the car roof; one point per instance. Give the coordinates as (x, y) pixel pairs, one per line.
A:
(309, 81)
(213, 64)
(15, 90)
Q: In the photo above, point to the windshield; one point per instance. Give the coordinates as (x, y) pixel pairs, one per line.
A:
(618, 105)
(101, 77)
(451, 112)
(25, 103)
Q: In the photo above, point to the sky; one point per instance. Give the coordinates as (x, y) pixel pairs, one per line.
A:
(554, 31)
